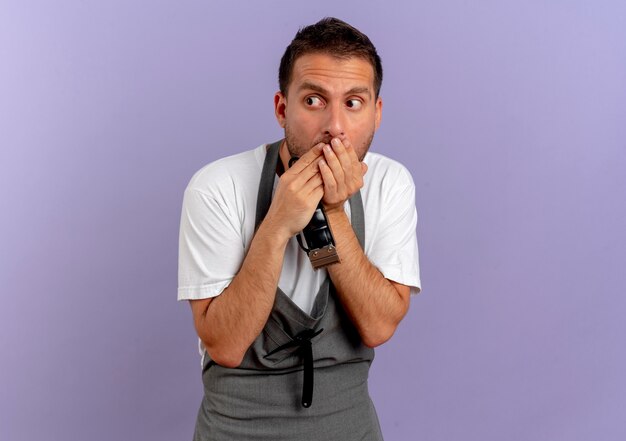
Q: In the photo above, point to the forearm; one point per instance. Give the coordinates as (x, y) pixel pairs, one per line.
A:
(231, 321)
(371, 301)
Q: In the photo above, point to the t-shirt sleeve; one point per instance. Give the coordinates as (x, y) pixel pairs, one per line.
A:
(394, 251)
(210, 246)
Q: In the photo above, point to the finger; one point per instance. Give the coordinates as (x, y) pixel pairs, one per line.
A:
(329, 178)
(307, 166)
(347, 157)
(314, 188)
(308, 172)
(343, 150)
(350, 149)
(318, 193)
(307, 159)
(332, 161)
(357, 170)
(313, 183)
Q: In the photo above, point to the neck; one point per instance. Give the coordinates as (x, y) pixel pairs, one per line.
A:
(285, 156)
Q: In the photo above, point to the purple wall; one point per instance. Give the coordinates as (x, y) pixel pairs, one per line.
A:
(510, 115)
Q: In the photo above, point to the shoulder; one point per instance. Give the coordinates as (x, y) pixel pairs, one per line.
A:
(386, 172)
(229, 174)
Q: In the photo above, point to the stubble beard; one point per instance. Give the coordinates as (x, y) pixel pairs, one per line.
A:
(297, 149)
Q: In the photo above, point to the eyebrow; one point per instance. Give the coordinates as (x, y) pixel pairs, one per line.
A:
(307, 85)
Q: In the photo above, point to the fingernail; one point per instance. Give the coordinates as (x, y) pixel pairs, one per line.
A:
(327, 148)
(335, 142)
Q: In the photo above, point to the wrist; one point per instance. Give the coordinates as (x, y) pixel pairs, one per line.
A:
(274, 231)
(337, 219)
(335, 209)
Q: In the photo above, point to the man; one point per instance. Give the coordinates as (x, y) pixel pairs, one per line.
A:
(286, 348)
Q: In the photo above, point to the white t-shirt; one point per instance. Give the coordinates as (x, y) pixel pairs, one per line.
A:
(217, 226)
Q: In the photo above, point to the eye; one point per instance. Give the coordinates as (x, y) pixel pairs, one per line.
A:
(354, 104)
(313, 101)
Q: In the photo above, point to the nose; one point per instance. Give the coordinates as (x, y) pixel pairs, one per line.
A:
(335, 122)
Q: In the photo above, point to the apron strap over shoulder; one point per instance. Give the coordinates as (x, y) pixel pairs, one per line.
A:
(357, 217)
(266, 187)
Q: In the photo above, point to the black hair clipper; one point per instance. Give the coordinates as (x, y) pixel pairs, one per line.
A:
(318, 237)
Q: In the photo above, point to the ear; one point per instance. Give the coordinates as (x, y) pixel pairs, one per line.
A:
(280, 105)
(379, 111)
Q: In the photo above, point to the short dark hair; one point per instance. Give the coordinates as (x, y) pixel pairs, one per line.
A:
(334, 37)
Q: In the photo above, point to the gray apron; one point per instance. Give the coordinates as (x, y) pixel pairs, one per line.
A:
(304, 377)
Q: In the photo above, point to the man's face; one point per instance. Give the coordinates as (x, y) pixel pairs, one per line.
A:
(327, 98)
